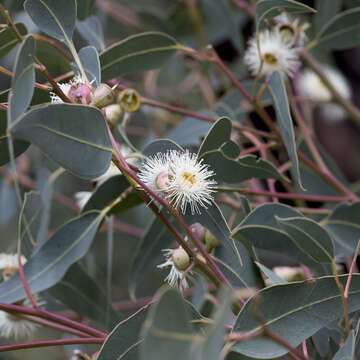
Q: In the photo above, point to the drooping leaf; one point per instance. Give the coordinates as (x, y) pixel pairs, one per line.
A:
(309, 237)
(79, 292)
(8, 201)
(326, 9)
(222, 154)
(343, 225)
(294, 312)
(53, 17)
(123, 341)
(8, 39)
(90, 29)
(19, 145)
(260, 229)
(22, 84)
(140, 52)
(157, 238)
(108, 191)
(89, 58)
(267, 9)
(341, 32)
(75, 136)
(50, 263)
(167, 330)
(281, 104)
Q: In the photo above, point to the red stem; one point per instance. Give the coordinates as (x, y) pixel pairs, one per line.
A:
(351, 270)
(48, 343)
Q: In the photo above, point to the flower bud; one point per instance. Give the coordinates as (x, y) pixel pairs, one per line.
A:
(80, 94)
(181, 259)
(103, 95)
(113, 114)
(129, 100)
(199, 231)
(211, 241)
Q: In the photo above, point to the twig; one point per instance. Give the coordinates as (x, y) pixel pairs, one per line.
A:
(351, 270)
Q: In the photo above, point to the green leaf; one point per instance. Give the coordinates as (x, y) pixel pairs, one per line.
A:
(326, 9)
(8, 201)
(167, 331)
(90, 29)
(108, 191)
(148, 251)
(89, 58)
(53, 17)
(275, 279)
(309, 237)
(222, 155)
(22, 84)
(341, 32)
(19, 145)
(75, 136)
(211, 347)
(281, 104)
(294, 312)
(84, 8)
(343, 225)
(123, 341)
(267, 9)
(49, 264)
(79, 292)
(347, 351)
(260, 229)
(163, 146)
(8, 39)
(140, 52)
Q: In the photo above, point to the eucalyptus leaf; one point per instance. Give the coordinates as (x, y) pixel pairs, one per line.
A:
(8, 201)
(281, 104)
(309, 237)
(347, 351)
(123, 341)
(326, 9)
(19, 145)
(84, 8)
(341, 32)
(294, 312)
(49, 264)
(167, 330)
(90, 29)
(8, 39)
(140, 52)
(267, 9)
(89, 58)
(23, 80)
(53, 17)
(75, 136)
(275, 279)
(161, 146)
(79, 292)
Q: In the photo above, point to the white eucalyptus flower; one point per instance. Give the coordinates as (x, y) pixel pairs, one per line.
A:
(179, 261)
(76, 90)
(276, 52)
(311, 86)
(190, 182)
(10, 261)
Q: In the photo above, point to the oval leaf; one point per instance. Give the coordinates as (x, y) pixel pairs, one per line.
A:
(140, 52)
(53, 17)
(309, 237)
(281, 104)
(89, 58)
(90, 29)
(22, 84)
(50, 263)
(75, 136)
(294, 312)
(341, 32)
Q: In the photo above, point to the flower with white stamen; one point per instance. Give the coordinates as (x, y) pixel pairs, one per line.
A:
(190, 182)
(76, 90)
(311, 86)
(179, 261)
(276, 53)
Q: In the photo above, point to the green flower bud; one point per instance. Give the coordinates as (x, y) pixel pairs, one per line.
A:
(211, 241)
(181, 259)
(103, 95)
(113, 114)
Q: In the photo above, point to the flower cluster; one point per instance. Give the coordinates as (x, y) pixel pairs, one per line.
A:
(179, 178)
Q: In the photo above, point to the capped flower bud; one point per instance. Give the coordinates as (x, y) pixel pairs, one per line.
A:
(103, 95)
(211, 241)
(113, 114)
(181, 259)
(199, 231)
(80, 94)
(129, 100)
